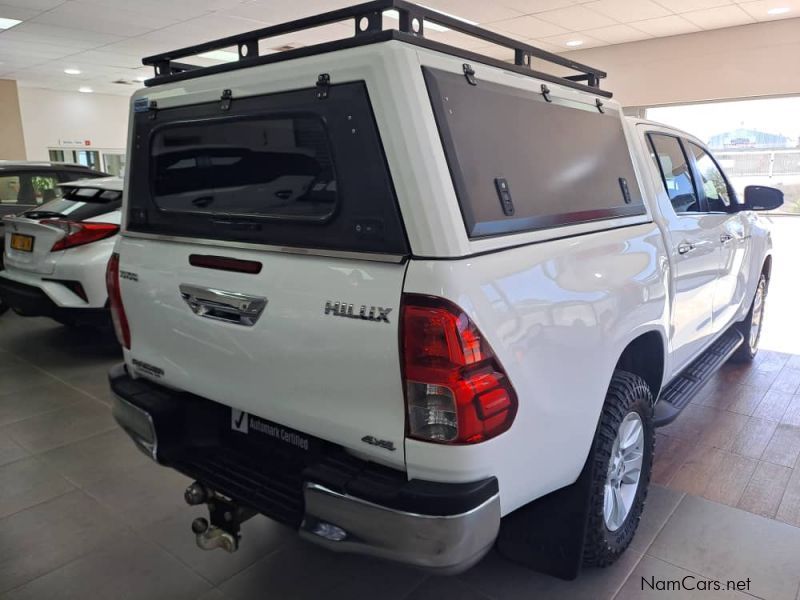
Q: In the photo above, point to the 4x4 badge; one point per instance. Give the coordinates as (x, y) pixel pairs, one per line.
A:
(343, 309)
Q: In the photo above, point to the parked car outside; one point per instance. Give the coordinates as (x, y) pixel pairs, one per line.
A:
(56, 254)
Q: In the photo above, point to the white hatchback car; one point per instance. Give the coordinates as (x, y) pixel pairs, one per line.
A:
(56, 254)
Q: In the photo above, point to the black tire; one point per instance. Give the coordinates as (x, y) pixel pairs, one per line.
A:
(3, 307)
(628, 393)
(749, 348)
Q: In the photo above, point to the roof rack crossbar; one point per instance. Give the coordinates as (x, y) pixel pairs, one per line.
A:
(368, 28)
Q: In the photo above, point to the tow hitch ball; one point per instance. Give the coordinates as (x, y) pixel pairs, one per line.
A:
(225, 515)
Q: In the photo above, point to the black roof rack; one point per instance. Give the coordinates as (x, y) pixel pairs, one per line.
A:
(369, 29)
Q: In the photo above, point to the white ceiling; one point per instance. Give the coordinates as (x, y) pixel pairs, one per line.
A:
(106, 39)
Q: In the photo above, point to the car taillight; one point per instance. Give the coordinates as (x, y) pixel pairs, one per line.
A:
(79, 233)
(456, 389)
(115, 302)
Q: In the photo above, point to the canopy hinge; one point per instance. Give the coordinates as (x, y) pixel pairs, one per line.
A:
(225, 100)
(598, 103)
(546, 93)
(323, 85)
(469, 73)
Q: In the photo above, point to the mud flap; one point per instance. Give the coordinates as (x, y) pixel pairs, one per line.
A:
(548, 534)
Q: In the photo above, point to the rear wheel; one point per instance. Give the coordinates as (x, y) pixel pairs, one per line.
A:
(750, 327)
(622, 457)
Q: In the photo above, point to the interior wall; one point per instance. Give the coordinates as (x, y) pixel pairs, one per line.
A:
(761, 59)
(12, 141)
(53, 118)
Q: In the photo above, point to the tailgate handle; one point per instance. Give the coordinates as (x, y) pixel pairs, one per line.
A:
(220, 305)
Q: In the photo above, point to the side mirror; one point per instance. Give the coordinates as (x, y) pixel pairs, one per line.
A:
(760, 197)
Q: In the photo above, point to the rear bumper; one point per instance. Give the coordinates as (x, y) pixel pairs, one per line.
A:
(31, 301)
(334, 499)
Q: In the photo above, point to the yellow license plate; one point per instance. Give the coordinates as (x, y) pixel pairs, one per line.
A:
(22, 242)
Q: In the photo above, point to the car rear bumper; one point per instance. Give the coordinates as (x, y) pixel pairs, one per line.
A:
(32, 301)
(332, 498)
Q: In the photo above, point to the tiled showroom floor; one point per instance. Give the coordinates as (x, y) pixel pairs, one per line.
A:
(85, 515)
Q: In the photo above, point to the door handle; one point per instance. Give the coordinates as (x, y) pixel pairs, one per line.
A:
(685, 248)
(221, 305)
(725, 237)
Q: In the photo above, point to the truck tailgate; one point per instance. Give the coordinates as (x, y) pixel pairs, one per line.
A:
(318, 372)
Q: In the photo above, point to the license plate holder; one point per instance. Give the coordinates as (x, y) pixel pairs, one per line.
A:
(22, 242)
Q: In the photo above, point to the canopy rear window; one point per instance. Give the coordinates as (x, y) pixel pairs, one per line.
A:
(287, 169)
(521, 163)
(277, 167)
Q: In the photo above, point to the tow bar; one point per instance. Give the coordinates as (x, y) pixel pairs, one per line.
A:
(225, 515)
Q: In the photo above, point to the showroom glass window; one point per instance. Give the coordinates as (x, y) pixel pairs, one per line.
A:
(28, 188)
(715, 186)
(676, 175)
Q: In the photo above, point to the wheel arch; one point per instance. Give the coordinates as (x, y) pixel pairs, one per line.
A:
(644, 356)
(766, 269)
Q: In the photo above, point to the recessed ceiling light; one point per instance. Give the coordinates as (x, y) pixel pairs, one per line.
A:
(573, 43)
(393, 14)
(225, 55)
(7, 23)
(85, 90)
(72, 71)
(779, 10)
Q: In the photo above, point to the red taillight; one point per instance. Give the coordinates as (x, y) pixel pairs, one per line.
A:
(115, 302)
(79, 233)
(456, 389)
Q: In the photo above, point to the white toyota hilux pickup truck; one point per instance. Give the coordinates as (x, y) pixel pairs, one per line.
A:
(415, 301)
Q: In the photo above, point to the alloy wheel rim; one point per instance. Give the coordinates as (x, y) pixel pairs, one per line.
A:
(624, 471)
(758, 313)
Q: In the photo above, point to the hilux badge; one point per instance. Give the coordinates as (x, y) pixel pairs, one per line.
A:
(367, 313)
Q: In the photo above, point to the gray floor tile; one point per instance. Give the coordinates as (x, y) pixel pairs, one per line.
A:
(34, 401)
(260, 536)
(124, 567)
(300, 570)
(23, 377)
(213, 594)
(654, 578)
(368, 578)
(49, 535)
(96, 458)
(27, 482)
(96, 387)
(142, 495)
(76, 422)
(660, 504)
(728, 543)
(446, 588)
(9, 362)
(85, 370)
(9, 449)
(501, 579)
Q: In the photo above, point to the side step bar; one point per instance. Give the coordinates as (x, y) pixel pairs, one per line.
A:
(680, 391)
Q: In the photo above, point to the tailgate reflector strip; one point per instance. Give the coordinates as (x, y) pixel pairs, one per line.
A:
(222, 263)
